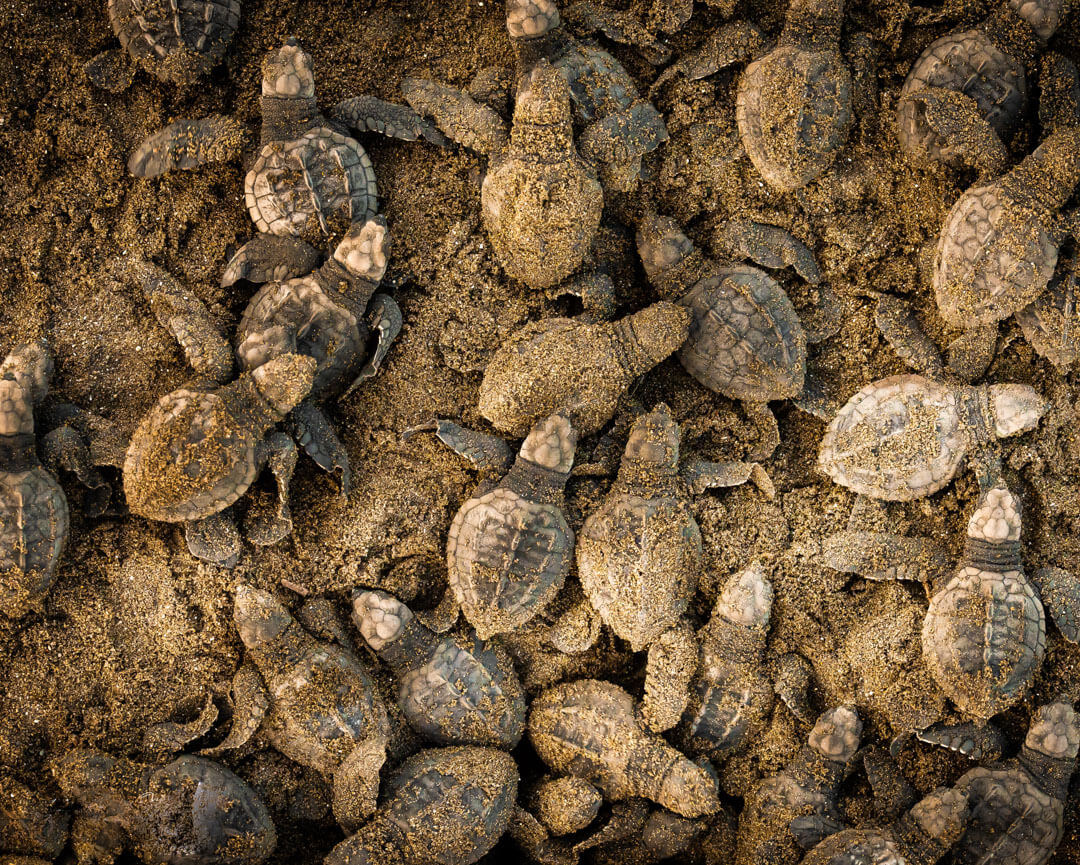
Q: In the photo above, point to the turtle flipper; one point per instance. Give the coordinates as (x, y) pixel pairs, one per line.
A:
(64, 448)
(313, 432)
(270, 258)
(188, 143)
(897, 323)
(1060, 592)
(465, 120)
(731, 44)
(595, 289)
(956, 119)
(617, 142)
(251, 702)
(368, 114)
(811, 829)
(617, 26)
(111, 71)
(482, 450)
(702, 475)
(770, 246)
(971, 353)
(670, 666)
(214, 539)
(170, 737)
(266, 527)
(981, 743)
(884, 556)
(385, 317)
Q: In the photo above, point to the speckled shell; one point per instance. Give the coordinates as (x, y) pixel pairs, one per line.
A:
(598, 82)
(34, 528)
(507, 558)
(793, 109)
(745, 340)
(868, 846)
(984, 638)
(192, 455)
(176, 40)
(312, 186)
(900, 438)
(638, 561)
(994, 257)
(969, 63)
(299, 316)
(1013, 820)
(729, 700)
(443, 805)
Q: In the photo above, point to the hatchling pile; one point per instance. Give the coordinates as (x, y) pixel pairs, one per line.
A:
(517, 432)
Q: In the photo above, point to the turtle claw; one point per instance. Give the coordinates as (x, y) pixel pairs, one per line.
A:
(314, 433)
(270, 258)
(214, 539)
(485, 452)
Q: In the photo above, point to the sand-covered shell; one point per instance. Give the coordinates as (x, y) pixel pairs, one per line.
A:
(509, 550)
(34, 520)
(189, 812)
(577, 369)
(444, 805)
(452, 689)
(178, 40)
(31, 823)
(906, 436)
(197, 451)
(588, 728)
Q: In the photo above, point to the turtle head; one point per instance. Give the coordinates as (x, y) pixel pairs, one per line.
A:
(661, 245)
(260, 617)
(1055, 732)
(747, 598)
(942, 814)
(284, 381)
(1043, 16)
(364, 250)
(380, 618)
(527, 19)
(654, 439)
(551, 444)
(689, 789)
(836, 734)
(287, 72)
(1016, 408)
(997, 518)
(24, 381)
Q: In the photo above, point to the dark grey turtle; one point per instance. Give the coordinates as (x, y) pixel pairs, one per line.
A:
(321, 706)
(173, 40)
(639, 555)
(452, 690)
(310, 178)
(325, 315)
(588, 729)
(199, 448)
(986, 65)
(1018, 805)
(923, 835)
(445, 805)
(30, 823)
(806, 788)
(574, 368)
(794, 105)
(189, 812)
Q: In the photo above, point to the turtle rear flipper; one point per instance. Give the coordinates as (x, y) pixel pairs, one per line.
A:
(270, 258)
(214, 539)
(465, 120)
(618, 26)
(959, 124)
(111, 71)
(369, 114)
(186, 144)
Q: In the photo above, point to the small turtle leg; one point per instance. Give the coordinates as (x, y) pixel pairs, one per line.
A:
(64, 448)
(961, 127)
(214, 539)
(187, 144)
(268, 527)
(251, 702)
(486, 452)
(1060, 593)
(385, 317)
(670, 16)
(815, 400)
(171, 737)
(270, 258)
(769, 246)
(794, 677)
(617, 26)
(356, 784)
(973, 351)
(897, 323)
(577, 629)
(976, 742)
(884, 556)
(822, 314)
(111, 70)
(731, 44)
(617, 142)
(457, 114)
(893, 795)
(671, 664)
(761, 416)
(596, 290)
(311, 429)
(493, 86)
(703, 475)
(368, 114)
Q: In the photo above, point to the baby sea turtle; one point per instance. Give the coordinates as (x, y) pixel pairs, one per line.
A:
(30, 823)
(325, 315)
(588, 729)
(805, 788)
(794, 105)
(1017, 806)
(310, 178)
(577, 369)
(452, 690)
(315, 702)
(175, 41)
(639, 555)
(985, 65)
(924, 835)
(189, 812)
(199, 448)
(445, 805)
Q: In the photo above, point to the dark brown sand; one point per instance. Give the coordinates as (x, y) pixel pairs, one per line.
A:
(137, 632)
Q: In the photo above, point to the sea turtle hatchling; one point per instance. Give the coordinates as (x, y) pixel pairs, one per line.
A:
(315, 702)
(1018, 805)
(199, 448)
(191, 811)
(454, 690)
(805, 788)
(325, 315)
(445, 805)
(310, 178)
(588, 729)
(639, 555)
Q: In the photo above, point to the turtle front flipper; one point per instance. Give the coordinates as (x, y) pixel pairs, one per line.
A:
(266, 527)
(64, 448)
(368, 114)
(312, 430)
(811, 829)
(251, 702)
(486, 452)
(971, 353)
(110, 70)
(770, 246)
(617, 142)
(978, 742)
(884, 556)
(384, 316)
(618, 26)
(896, 322)
(270, 258)
(465, 120)
(187, 144)
(703, 475)
(214, 539)
(1060, 594)
(170, 737)
(961, 130)
(731, 44)
(671, 664)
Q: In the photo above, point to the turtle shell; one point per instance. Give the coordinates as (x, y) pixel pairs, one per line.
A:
(193, 455)
(508, 557)
(34, 527)
(745, 340)
(994, 257)
(176, 40)
(793, 108)
(311, 186)
(984, 639)
(856, 845)
(969, 63)
(900, 438)
(298, 316)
